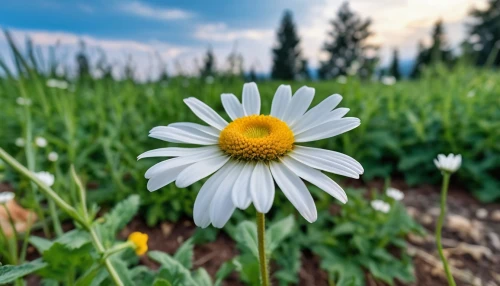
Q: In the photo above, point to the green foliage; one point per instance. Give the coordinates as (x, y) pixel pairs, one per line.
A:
(362, 239)
(9, 273)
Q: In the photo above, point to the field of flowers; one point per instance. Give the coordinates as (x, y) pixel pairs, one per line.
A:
(87, 133)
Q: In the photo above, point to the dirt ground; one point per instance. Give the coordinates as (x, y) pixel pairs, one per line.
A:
(471, 239)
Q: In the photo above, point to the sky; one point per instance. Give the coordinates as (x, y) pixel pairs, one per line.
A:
(181, 31)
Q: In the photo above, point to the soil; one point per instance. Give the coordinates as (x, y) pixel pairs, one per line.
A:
(422, 202)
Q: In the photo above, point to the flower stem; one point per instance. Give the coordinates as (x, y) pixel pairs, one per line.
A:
(439, 227)
(261, 229)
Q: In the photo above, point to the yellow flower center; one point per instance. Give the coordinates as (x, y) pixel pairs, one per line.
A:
(256, 137)
(140, 240)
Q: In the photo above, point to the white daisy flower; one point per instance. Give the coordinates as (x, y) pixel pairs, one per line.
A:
(388, 80)
(253, 152)
(23, 101)
(41, 142)
(380, 206)
(55, 83)
(395, 194)
(19, 142)
(46, 178)
(342, 79)
(53, 156)
(449, 163)
(6, 197)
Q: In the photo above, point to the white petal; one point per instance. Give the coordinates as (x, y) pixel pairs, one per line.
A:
(295, 190)
(324, 164)
(333, 156)
(176, 135)
(251, 99)
(167, 165)
(201, 209)
(222, 207)
(316, 178)
(281, 100)
(232, 106)
(241, 189)
(176, 151)
(322, 108)
(200, 170)
(161, 180)
(304, 125)
(328, 129)
(205, 113)
(196, 128)
(262, 188)
(299, 104)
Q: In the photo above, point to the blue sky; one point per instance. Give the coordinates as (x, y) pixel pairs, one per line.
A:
(182, 30)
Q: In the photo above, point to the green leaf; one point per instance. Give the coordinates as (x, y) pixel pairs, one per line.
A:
(202, 278)
(122, 271)
(278, 231)
(344, 229)
(161, 282)
(247, 237)
(41, 244)
(74, 239)
(177, 272)
(224, 271)
(121, 214)
(185, 254)
(9, 273)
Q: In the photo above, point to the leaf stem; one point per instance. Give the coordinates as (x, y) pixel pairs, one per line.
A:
(439, 227)
(261, 229)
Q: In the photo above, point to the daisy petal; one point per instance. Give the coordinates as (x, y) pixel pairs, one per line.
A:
(324, 164)
(200, 170)
(201, 209)
(327, 130)
(165, 166)
(333, 156)
(322, 108)
(304, 125)
(262, 188)
(161, 180)
(298, 104)
(232, 106)
(251, 99)
(196, 128)
(176, 135)
(295, 190)
(281, 100)
(205, 113)
(316, 178)
(176, 152)
(241, 193)
(222, 206)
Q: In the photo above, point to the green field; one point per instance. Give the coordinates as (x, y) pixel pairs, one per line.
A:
(101, 125)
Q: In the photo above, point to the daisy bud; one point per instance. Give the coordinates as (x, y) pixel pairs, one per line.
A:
(140, 241)
(450, 163)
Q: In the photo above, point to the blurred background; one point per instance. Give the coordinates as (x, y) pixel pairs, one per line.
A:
(82, 83)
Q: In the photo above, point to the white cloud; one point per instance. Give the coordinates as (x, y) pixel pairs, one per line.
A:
(219, 32)
(146, 11)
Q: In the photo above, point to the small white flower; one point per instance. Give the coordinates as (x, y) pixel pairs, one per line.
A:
(46, 178)
(388, 80)
(341, 79)
(471, 93)
(450, 163)
(55, 83)
(395, 194)
(23, 101)
(20, 142)
(209, 79)
(53, 156)
(6, 197)
(252, 154)
(41, 142)
(380, 206)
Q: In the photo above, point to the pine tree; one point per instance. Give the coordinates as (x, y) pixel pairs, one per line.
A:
(438, 52)
(348, 45)
(208, 68)
(286, 54)
(394, 67)
(485, 34)
(83, 62)
(304, 72)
